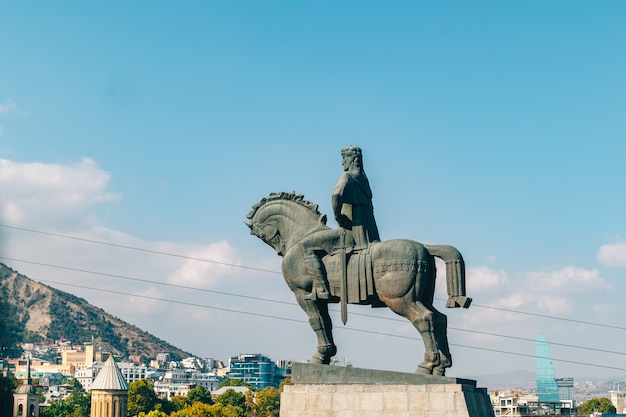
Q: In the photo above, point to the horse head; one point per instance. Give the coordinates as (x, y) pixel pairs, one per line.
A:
(283, 218)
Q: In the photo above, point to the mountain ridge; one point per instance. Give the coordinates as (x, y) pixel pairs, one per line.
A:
(43, 314)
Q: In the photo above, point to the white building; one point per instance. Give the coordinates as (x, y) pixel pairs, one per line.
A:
(520, 405)
(130, 371)
(178, 382)
(618, 399)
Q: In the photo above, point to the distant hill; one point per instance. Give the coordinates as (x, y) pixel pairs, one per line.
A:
(34, 312)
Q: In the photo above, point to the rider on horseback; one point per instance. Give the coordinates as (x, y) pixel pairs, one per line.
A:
(352, 200)
(352, 206)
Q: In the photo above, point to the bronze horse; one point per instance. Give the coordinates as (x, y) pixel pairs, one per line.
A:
(402, 276)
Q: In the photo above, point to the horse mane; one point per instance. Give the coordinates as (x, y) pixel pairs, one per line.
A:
(289, 196)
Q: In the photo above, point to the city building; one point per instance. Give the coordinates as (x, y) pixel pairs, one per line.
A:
(163, 359)
(509, 405)
(566, 388)
(80, 359)
(619, 401)
(547, 389)
(527, 405)
(553, 396)
(44, 378)
(87, 375)
(178, 382)
(37, 365)
(109, 392)
(56, 392)
(340, 361)
(257, 370)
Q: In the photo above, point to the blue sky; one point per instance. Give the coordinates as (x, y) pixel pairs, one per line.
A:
(497, 127)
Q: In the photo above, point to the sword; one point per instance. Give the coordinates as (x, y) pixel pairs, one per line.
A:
(344, 276)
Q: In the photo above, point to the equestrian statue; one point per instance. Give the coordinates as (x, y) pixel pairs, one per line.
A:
(350, 265)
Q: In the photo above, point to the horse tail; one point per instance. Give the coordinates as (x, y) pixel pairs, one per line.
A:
(455, 274)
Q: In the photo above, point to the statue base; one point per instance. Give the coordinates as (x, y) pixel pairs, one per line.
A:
(333, 391)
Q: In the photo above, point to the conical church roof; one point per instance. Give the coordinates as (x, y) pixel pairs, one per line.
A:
(110, 378)
(27, 385)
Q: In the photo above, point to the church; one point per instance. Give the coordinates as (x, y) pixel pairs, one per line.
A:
(26, 399)
(109, 392)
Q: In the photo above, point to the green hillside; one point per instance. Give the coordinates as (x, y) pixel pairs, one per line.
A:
(33, 312)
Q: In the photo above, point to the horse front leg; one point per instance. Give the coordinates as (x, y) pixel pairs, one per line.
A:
(319, 319)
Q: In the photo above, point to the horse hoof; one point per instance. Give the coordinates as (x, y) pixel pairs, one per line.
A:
(444, 362)
(324, 353)
(423, 371)
(317, 360)
(431, 361)
(458, 301)
(439, 371)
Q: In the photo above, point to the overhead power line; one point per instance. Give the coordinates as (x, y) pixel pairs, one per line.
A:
(167, 284)
(291, 303)
(98, 242)
(340, 328)
(551, 317)
(296, 304)
(284, 302)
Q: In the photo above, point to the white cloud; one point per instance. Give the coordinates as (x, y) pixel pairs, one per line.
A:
(553, 304)
(553, 293)
(613, 255)
(198, 273)
(477, 279)
(38, 193)
(482, 278)
(569, 280)
(60, 199)
(7, 106)
(147, 302)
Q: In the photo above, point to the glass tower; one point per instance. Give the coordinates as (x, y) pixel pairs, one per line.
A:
(256, 370)
(547, 389)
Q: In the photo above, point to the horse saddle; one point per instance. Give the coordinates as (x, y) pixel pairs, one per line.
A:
(360, 277)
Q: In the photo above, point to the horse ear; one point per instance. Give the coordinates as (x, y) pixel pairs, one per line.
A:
(323, 219)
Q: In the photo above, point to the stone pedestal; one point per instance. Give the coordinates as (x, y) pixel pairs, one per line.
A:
(331, 391)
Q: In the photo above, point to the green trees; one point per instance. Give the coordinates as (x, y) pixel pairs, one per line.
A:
(231, 397)
(263, 403)
(153, 413)
(77, 404)
(196, 410)
(7, 385)
(11, 329)
(267, 402)
(199, 394)
(143, 402)
(232, 403)
(233, 382)
(141, 397)
(602, 405)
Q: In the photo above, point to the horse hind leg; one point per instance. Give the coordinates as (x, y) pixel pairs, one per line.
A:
(441, 337)
(425, 325)
(422, 319)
